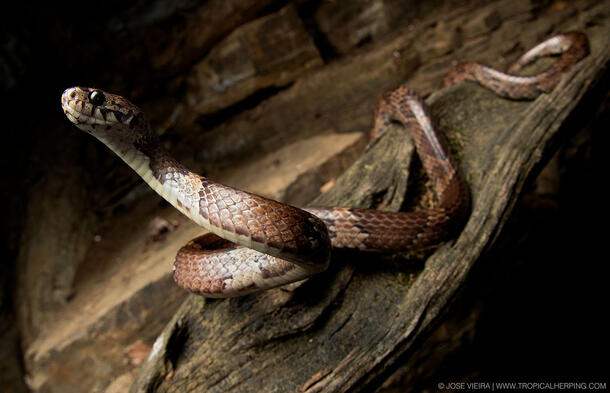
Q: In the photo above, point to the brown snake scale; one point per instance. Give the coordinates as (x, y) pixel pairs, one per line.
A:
(257, 243)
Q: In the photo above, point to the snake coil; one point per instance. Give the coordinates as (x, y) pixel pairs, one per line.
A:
(258, 243)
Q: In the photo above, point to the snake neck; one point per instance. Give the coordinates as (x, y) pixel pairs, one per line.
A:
(227, 212)
(164, 174)
(178, 185)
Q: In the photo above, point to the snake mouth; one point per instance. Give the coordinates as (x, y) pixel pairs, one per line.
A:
(82, 110)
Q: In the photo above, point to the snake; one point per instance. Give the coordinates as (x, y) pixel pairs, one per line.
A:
(256, 243)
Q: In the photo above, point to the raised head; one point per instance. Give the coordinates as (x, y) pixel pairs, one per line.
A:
(108, 117)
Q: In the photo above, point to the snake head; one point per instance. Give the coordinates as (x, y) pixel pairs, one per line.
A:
(106, 116)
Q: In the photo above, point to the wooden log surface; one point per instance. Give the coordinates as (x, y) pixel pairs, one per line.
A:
(343, 329)
(245, 91)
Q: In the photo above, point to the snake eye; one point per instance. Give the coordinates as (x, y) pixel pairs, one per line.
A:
(97, 98)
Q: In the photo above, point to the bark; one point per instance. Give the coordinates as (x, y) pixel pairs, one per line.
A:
(344, 329)
(274, 97)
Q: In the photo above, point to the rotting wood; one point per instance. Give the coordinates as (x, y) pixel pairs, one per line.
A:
(364, 314)
(95, 354)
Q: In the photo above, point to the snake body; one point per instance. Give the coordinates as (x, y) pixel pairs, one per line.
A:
(571, 47)
(258, 243)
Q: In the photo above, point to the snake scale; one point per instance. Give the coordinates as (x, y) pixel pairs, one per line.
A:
(258, 243)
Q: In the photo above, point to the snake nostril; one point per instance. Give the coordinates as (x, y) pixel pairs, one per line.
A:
(97, 97)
